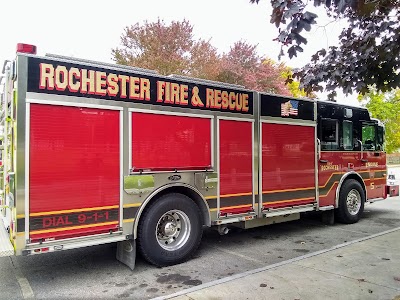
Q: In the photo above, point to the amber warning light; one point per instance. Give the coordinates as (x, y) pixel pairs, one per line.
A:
(26, 48)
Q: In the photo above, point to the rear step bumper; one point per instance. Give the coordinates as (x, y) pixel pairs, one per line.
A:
(6, 248)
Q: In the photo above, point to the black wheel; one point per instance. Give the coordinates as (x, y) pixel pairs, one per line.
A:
(351, 202)
(170, 230)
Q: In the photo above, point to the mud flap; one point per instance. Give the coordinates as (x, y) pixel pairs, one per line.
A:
(126, 253)
(328, 217)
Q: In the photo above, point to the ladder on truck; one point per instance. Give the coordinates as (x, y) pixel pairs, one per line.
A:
(6, 113)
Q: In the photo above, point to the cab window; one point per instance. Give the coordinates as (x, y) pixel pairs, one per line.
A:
(347, 135)
(329, 134)
(368, 137)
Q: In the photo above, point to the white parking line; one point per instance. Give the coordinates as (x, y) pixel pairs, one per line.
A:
(26, 288)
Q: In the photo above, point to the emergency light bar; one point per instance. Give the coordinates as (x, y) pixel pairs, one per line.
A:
(26, 48)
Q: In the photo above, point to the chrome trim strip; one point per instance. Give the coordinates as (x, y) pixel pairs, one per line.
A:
(275, 120)
(77, 242)
(260, 174)
(252, 166)
(27, 187)
(289, 210)
(173, 113)
(316, 159)
(212, 142)
(73, 104)
(324, 208)
(218, 172)
(121, 167)
(130, 162)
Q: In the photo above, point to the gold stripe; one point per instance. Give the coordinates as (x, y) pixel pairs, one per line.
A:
(132, 205)
(71, 210)
(20, 233)
(288, 201)
(229, 195)
(288, 190)
(326, 195)
(240, 194)
(73, 227)
(229, 207)
(129, 220)
(21, 216)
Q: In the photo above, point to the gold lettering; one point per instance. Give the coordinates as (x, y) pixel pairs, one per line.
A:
(124, 80)
(61, 78)
(87, 80)
(175, 93)
(46, 76)
(184, 94)
(217, 98)
(245, 107)
(112, 82)
(167, 92)
(101, 83)
(225, 99)
(210, 98)
(145, 89)
(73, 74)
(232, 99)
(160, 90)
(134, 88)
(239, 100)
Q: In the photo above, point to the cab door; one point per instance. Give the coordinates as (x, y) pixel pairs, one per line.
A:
(373, 160)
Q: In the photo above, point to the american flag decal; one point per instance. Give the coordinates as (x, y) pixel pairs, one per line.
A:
(290, 108)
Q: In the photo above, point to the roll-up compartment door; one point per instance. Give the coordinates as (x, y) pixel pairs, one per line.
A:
(288, 165)
(74, 171)
(236, 166)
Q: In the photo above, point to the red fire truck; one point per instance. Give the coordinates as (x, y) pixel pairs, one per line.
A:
(97, 153)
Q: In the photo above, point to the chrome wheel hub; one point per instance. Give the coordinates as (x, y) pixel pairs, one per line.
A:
(173, 230)
(353, 202)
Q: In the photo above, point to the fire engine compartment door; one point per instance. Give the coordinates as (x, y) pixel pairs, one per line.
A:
(236, 169)
(288, 165)
(74, 164)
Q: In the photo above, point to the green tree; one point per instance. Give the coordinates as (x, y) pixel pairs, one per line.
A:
(294, 85)
(368, 52)
(386, 107)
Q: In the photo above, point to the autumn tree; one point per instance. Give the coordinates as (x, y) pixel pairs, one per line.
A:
(243, 66)
(168, 49)
(368, 52)
(172, 49)
(385, 107)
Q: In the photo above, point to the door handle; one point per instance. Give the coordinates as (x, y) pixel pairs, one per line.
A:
(323, 161)
(364, 160)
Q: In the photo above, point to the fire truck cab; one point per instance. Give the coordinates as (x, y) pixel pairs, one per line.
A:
(97, 153)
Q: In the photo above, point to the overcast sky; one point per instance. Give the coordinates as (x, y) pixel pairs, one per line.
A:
(90, 29)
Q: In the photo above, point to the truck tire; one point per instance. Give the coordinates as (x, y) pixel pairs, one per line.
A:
(170, 230)
(351, 202)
